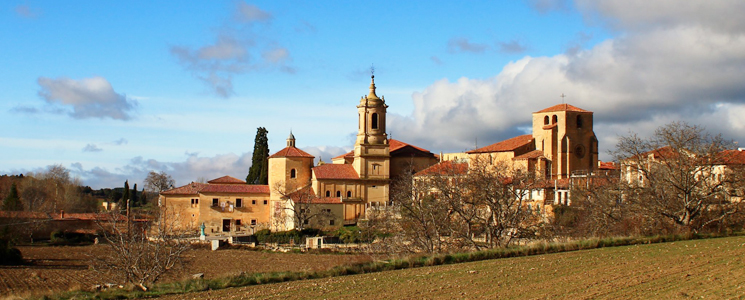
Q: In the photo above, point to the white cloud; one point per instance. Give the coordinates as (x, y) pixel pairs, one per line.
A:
(88, 98)
(678, 69)
(91, 148)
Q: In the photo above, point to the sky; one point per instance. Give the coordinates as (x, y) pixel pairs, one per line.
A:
(112, 90)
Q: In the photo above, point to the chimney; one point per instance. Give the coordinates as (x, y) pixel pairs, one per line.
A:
(62, 214)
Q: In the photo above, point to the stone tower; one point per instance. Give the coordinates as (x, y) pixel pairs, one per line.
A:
(289, 171)
(371, 149)
(565, 135)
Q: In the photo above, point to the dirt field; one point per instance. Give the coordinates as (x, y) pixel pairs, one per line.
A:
(65, 268)
(708, 269)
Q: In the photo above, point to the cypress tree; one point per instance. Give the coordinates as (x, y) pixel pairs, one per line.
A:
(135, 199)
(125, 194)
(259, 171)
(12, 201)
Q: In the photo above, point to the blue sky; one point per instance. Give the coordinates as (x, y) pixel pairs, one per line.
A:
(112, 90)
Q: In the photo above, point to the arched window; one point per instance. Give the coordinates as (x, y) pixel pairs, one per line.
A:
(545, 120)
(579, 121)
(293, 173)
(374, 121)
(338, 193)
(349, 194)
(328, 193)
(554, 119)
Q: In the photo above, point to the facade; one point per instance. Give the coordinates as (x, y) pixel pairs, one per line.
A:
(300, 194)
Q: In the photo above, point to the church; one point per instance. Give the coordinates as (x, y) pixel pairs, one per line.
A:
(300, 194)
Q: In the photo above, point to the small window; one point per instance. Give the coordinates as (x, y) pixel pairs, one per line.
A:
(554, 119)
(196, 201)
(545, 120)
(253, 202)
(238, 222)
(253, 222)
(214, 202)
(338, 193)
(331, 222)
(328, 193)
(266, 202)
(293, 173)
(349, 194)
(192, 201)
(579, 121)
(238, 202)
(374, 121)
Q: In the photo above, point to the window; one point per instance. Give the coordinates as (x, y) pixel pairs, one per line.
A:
(253, 222)
(238, 222)
(374, 121)
(338, 193)
(579, 121)
(554, 119)
(331, 222)
(238, 202)
(214, 201)
(349, 194)
(253, 202)
(328, 193)
(266, 202)
(293, 173)
(545, 120)
(196, 201)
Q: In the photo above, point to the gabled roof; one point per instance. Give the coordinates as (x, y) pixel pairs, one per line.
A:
(335, 171)
(562, 107)
(226, 180)
(530, 155)
(396, 145)
(236, 189)
(189, 189)
(732, 157)
(506, 145)
(445, 168)
(291, 152)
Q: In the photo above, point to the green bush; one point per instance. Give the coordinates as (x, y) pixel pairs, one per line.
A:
(70, 238)
(9, 255)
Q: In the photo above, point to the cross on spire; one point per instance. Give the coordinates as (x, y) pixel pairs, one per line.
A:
(562, 98)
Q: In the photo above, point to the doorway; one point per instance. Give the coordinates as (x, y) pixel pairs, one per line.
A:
(226, 225)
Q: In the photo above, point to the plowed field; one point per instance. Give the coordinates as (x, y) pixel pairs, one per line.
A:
(65, 268)
(699, 269)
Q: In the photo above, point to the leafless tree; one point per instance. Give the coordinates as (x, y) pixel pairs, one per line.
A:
(674, 176)
(301, 204)
(158, 182)
(141, 252)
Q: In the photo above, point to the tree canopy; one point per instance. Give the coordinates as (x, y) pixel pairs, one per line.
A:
(259, 171)
(12, 201)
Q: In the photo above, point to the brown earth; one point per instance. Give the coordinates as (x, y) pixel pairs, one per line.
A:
(65, 268)
(708, 269)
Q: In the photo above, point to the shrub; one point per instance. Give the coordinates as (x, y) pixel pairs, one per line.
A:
(9, 255)
(70, 238)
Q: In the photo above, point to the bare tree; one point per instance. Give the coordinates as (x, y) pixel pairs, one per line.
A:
(141, 252)
(158, 182)
(301, 205)
(674, 176)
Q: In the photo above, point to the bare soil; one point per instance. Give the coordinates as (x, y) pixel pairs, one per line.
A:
(64, 268)
(698, 269)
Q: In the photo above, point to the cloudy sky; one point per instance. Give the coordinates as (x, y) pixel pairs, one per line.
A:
(112, 90)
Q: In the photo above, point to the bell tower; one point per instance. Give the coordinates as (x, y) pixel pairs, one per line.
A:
(371, 149)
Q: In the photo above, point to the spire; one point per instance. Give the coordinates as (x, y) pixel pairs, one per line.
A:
(372, 88)
(291, 140)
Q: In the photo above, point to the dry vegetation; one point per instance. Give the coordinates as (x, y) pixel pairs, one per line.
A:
(711, 268)
(65, 268)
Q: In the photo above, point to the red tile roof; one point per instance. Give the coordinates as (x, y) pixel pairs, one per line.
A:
(732, 157)
(396, 144)
(236, 189)
(563, 107)
(345, 155)
(307, 195)
(335, 171)
(445, 168)
(189, 189)
(529, 155)
(226, 179)
(506, 145)
(291, 152)
(607, 165)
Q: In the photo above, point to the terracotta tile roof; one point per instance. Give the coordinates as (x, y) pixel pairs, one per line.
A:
(732, 157)
(291, 152)
(335, 171)
(189, 189)
(663, 152)
(396, 144)
(529, 155)
(345, 155)
(307, 195)
(506, 145)
(226, 179)
(236, 189)
(602, 165)
(445, 168)
(563, 107)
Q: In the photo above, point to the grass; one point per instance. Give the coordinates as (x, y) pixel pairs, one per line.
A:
(196, 285)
